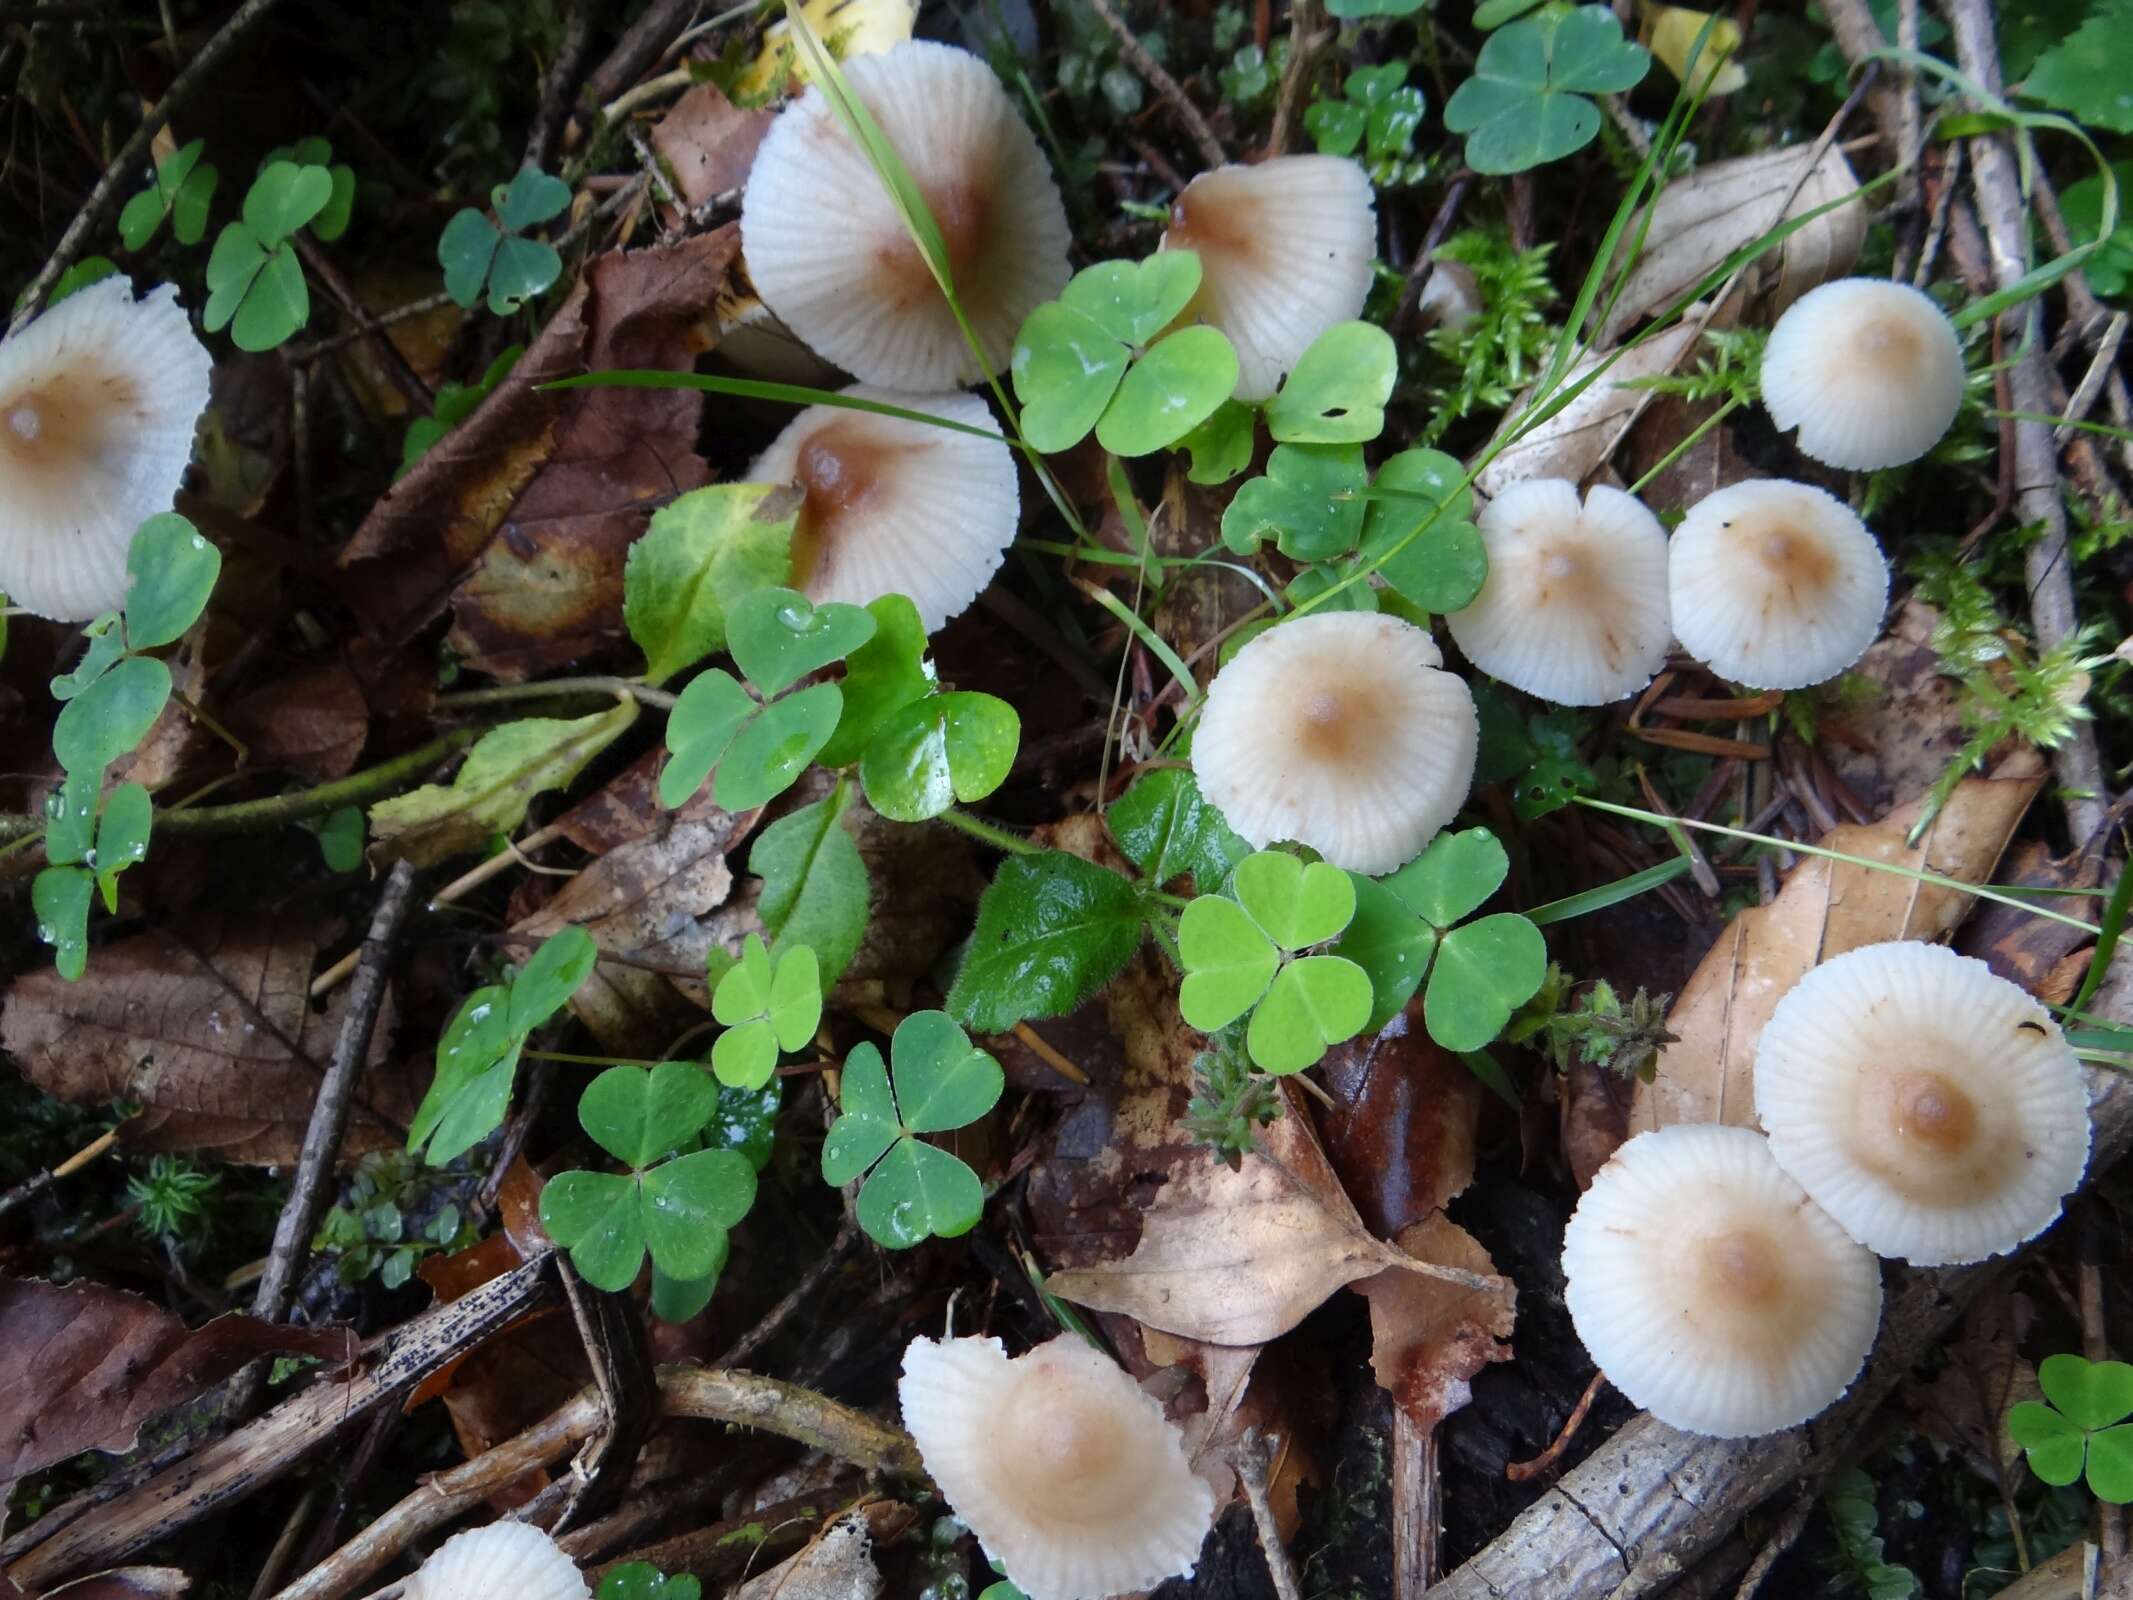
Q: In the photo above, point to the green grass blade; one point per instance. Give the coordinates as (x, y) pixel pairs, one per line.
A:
(797, 394)
(2108, 932)
(1609, 894)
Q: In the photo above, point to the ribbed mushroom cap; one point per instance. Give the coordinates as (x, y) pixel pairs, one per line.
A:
(1930, 1106)
(502, 1561)
(1711, 1290)
(896, 507)
(1285, 250)
(98, 400)
(1574, 609)
(1775, 585)
(1338, 730)
(1070, 1476)
(1869, 371)
(830, 254)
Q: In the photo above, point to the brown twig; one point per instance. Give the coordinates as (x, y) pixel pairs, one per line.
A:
(778, 1315)
(1310, 34)
(1526, 1471)
(1174, 96)
(555, 87)
(2077, 763)
(1782, 1538)
(329, 1123)
(30, 1188)
(133, 153)
(1253, 1462)
(1417, 1507)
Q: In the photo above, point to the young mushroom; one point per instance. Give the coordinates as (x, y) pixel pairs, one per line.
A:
(1868, 370)
(500, 1561)
(1711, 1290)
(1070, 1476)
(828, 249)
(896, 507)
(1574, 608)
(1775, 585)
(1929, 1105)
(1338, 730)
(1285, 251)
(98, 400)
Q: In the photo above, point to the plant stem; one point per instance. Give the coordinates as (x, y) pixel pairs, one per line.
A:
(505, 694)
(1687, 444)
(999, 838)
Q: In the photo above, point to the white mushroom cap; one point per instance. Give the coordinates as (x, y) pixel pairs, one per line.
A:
(98, 400)
(1711, 1290)
(1929, 1105)
(1775, 585)
(1285, 251)
(1070, 1475)
(896, 507)
(1574, 609)
(1338, 730)
(1869, 371)
(830, 254)
(502, 1561)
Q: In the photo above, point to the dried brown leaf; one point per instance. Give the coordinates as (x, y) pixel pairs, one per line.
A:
(120, 1583)
(1702, 218)
(310, 722)
(82, 1367)
(212, 1030)
(837, 1564)
(1579, 438)
(1402, 1136)
(1825, 908)
(1427, 1336)
(707, 144)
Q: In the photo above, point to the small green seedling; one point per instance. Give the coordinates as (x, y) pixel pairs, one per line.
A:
(255, 282)
(1097, 358)
(1526, 103)
(480, 254)
(1378, 115)
(676, 1207)
(477, 1057)
(1246, 955)
(764, 1007)
(640, 1580)
(181, 189)
(2084, 1431)
(455, 403)
(913, 1191)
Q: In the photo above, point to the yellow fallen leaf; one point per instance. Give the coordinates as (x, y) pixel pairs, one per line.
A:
(1670, 32)
(849, 27)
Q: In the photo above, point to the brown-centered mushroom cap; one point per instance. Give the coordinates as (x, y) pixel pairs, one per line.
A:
(1869, 371)
(501, 1561)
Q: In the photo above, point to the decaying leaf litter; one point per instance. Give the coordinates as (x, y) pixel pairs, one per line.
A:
(478, 785)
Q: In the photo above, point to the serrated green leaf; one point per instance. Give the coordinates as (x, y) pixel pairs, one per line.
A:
(1166, 827)
(170, 572)
(1052, 929)
(933, 752)
(1484, 971)
(1337, 392)
(1313, 1004)
(702, 554)
(502, 774)
(2085, 73)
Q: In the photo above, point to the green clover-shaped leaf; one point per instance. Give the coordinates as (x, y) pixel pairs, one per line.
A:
(122, 837)
(1391, 944)
(689, 1203)
(181, 191)
(1297, 903)
(1525, 104)
(886, 673)
(1313, 1004)
(1133, 301)
(1221, 446)
(59, 898)
(699, 557)
(1447, 882)
(107, 643)
(747, 1121)
(1337, 126)
(531, 198)
(465, 250)
(640, 1580)
(283, 198)
(599, 1218)
(551, 975)
(1166, 827)
(1484, 971)
(1228, 962)
(771, 751)
(477, 1059)
(2110, 1471)
(1065, 367)
(521, 269)
(170, 572)
(1306, 502)
(638, 1115)
(2089, 1394)
(709, 712)
(765, 1007)
(2057, 1448)
(1442, 567)
(256, 291)
(1338, 390)
(340, 838)
(913, 1190)
(931, 753)
(112, 715)
(778, 636)
(1171, 390)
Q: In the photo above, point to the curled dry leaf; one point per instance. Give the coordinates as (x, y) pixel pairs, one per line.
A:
(1242, 1257)
(1825, 908)
(82, 1367)
(213, 1032)
(521, 517)
(1401, 1135)
(838, 1564)
(120, 1583)
(1577, 439)
(1895, 741)
(1703, 218)
(1427, 1336)
(707, 144)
